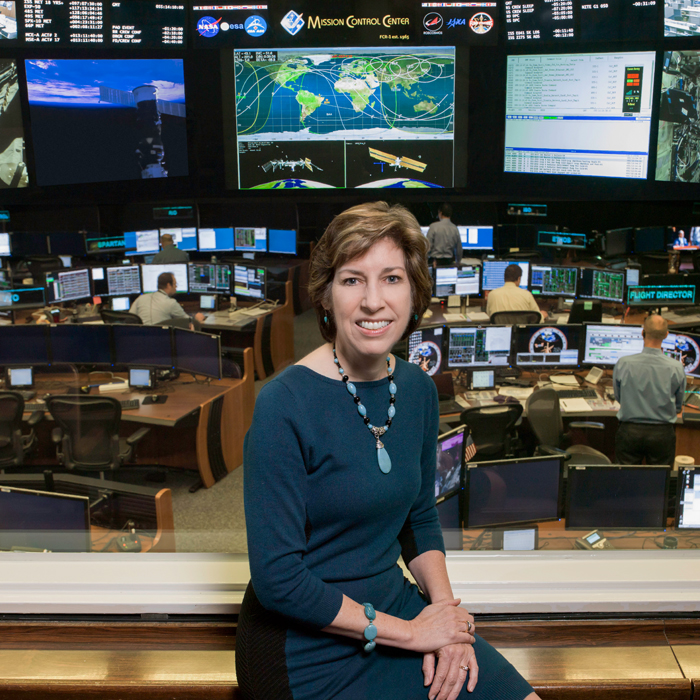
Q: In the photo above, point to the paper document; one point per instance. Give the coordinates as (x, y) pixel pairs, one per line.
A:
(477, 316)
(517, 392)
(480, 395)
(563, 380)
(574, 405)
(611, 320)
(462, 401)
(454, 318)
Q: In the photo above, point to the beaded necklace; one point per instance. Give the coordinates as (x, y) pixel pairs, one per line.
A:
(382, 455)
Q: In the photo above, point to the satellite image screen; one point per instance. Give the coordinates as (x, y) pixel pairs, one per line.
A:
(357, 117)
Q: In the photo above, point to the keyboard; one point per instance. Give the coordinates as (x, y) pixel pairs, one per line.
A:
(130, 404)
(577, 394)
(34, 406)
(26, 395)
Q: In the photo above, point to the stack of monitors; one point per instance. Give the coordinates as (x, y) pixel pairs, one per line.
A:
(547, 346)
(479, 346)
(425, 348)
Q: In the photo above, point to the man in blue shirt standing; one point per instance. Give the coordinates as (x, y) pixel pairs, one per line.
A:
(650, 388)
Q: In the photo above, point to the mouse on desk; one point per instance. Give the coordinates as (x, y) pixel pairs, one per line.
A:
(129, 543)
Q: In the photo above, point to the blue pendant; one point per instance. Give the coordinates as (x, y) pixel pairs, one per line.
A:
(384, 460)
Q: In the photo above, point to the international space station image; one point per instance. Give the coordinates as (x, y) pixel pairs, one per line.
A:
(13, 168)
(397, 161)
(150, 150)
(292, 164)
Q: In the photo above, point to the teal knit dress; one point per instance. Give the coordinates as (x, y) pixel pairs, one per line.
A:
(323, 521)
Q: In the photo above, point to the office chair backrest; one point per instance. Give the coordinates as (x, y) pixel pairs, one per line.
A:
(490, 427)
(581, 314)
(544, 415)
(109, 316)
(11, 410)
(90, 426)
(510, 318)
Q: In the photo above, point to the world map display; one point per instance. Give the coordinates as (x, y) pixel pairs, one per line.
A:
(345, 118)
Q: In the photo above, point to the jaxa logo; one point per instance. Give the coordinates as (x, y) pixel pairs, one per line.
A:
(292, 22)
(456, 22)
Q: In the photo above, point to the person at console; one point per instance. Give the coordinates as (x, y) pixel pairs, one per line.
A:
(160, 309)
(650, 389)
(169, 253)
(510, 297)
(443, 238)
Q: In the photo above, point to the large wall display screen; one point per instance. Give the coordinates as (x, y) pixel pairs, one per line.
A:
(681, 18)
(351, 117)
(579, 114)
(13, 169)
(104, 120)
(678, 143)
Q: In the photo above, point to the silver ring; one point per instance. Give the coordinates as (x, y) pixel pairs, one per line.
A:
(469, 626)
(464, 668)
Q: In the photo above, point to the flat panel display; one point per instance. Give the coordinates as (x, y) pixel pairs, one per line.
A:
(606, 344)
(476, 237)
(688, 508)
(209, 278)
(553, 281)
(149, 274)
(425, 349)
(68, 285)
(250, 240)
(80, 344)
(512, 491)
(493, 271)
(547, 346)
(250, 281)
(651, 239)
(5, 245)
(101, 120)
(460, 281)
(489, 346)
(450, 463)
(199, 353)
(310, 118)
(579, 114)
(607, 285)
(216, 239)
(116, 281)
(617, 496)
(66, 243)
(684, 347)
(25, 345)
(618, 241)
(13, 173)
(282, 241)
(184, 238)
(142, 242)
(45, 521)
(149, 346)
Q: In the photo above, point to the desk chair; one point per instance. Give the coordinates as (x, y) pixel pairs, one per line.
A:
(14, 446)
(544, 414)
(87, 436)
(580, 314)
(109, 316)
(493, 430)
(511, 318)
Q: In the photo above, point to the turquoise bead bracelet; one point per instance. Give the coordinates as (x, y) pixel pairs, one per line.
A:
(370, 631)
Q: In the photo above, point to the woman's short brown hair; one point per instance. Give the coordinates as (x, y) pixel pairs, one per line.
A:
(350, 235)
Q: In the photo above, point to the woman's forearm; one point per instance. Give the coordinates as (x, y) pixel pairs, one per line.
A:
(430, 571)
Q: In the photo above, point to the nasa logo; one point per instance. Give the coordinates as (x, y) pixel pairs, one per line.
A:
(208, 27)
(432, 22)
(456, 22)
(481, 23)
(292, 22)
(255, 25)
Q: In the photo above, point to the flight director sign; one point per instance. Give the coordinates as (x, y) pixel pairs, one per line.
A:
(677, 294)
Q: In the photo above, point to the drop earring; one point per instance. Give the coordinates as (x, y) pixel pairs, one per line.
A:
(415, 317)
(325, 317)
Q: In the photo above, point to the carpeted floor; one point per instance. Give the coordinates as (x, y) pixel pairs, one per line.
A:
(212, 520)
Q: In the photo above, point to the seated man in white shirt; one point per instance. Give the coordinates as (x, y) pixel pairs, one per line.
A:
(510, 297)
(160, 309)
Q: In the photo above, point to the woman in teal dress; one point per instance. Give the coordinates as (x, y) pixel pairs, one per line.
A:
(339, 482)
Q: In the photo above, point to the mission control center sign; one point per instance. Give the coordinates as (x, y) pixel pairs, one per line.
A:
(317, 23)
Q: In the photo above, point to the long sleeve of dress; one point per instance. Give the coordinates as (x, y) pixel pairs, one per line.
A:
(421, 531)
(275, 492)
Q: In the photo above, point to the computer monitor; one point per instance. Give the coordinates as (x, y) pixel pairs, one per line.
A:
(606, 285)
(651, 239)
(559, 239)
(460, 281)
(250, 240)
(209, 278)
(425, 348)
(450, 464)
(553, 281)
(66, 243)
(688, 506)
(476, 346)
(150, 274)
(618, 241)
(632, 275)
(56, 522)
(116, 281)
(684, 347)
(67, 260)
(424, 230)
(249, 281)
(207, 302)
(282, 241)
(183, 238)
(25, 345)
(18, 378)
(617, 496)
(121, 303)
(68, 285)
(145, 346)
(24, 298)
(198, 353)
(80, 344)
(29, 243)
(142, 242)
(511, 491)
(547, 346)
(476, 237)
(215, 240)
(5, 248)
(606, 344)
(493, 271)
